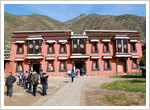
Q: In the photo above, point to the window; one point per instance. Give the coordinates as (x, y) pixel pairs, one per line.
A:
(62, 49)
(133, 47)
(20, 49)
(19, 67)
(50, 66)
(94, 48)
(50, 49)
(122, 45)
(63, 66)
(134, 64)
(34, 46)
(107, 65)
(95, 65)
(106, 48)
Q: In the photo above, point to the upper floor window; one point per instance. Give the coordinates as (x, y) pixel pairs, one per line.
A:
(94, 48)
(133, 47)
(122, 45)
(107, 64)
(20, 49)
(63, 48)
(34, 46)
(106, 48)
(79, 45)
(19, 66)
(63, 66)
(50, 66)
(50, 49)
(95, 65)
(134, 63)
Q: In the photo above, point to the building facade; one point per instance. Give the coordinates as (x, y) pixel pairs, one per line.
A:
(99, 52)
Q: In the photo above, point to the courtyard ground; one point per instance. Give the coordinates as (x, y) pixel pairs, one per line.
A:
(84, 91)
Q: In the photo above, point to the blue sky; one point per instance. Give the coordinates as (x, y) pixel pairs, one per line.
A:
(64, 12)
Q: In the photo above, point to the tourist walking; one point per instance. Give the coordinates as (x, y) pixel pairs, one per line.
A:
(34, 80)
(69, 72)
(72, 75)
(9, 84)
(44, 83)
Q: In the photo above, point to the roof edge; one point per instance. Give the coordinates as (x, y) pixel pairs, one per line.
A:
(41, 31)
(111, 31)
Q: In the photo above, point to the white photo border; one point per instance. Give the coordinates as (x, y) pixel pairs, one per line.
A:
(74, 2)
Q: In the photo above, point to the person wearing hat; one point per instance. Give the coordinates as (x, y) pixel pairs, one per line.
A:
(35, 82)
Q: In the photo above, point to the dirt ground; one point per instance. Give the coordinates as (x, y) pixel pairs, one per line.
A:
(91, 89)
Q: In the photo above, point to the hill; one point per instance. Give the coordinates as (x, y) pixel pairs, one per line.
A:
(78, 24)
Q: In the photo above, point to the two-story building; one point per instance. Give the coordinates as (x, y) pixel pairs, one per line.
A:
(99, 52)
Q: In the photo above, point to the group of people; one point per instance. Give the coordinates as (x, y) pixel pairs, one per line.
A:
(78, 72)
(29, 80)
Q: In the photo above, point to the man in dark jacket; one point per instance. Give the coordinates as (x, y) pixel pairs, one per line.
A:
(9, 84)
(44, 83)
(35, 82)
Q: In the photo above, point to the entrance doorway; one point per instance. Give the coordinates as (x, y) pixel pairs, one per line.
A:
(121, 66)
(36, 67)
(79, 64)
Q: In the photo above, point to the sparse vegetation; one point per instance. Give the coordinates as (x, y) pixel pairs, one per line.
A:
(121, 99)
(135, 85)
(133, 75)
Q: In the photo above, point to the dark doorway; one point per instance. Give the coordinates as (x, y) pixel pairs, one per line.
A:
(36, 67)
(78, 65)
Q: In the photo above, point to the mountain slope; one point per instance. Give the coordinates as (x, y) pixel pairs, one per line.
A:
(78, 24)
(29, 22)
(95, 21)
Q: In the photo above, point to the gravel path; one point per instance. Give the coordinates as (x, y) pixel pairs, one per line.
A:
(68, 95)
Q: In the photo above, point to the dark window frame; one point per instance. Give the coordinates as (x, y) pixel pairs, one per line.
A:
(97, 51)
(60, 49)
(34, 50)
(109, 60)
(53, 49)
(64, 65)
(97, 62)
(137, 66)
(17, 52)
(108, 44)
(17, 67)
(133, 51)
(52, 65)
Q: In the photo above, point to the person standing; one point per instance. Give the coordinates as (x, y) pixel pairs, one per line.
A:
(26, 79)
(34, 80)
(72, 75)
(44, 83)
(20, 78)
(41, 73)
(9, 84)
(29, 81)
